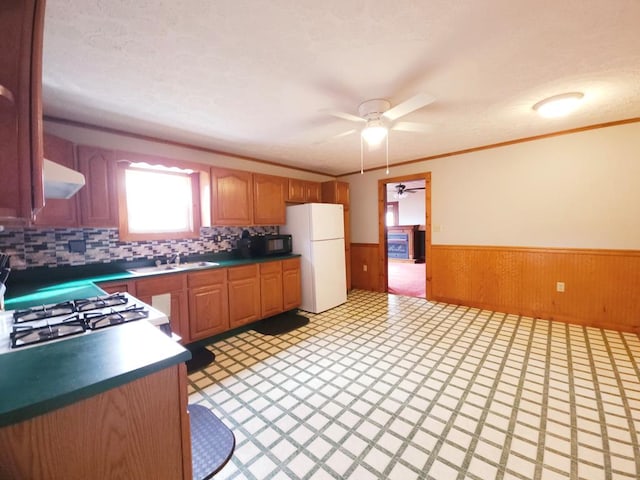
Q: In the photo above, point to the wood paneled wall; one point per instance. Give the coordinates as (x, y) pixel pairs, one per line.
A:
(602, 287)
(365, 256)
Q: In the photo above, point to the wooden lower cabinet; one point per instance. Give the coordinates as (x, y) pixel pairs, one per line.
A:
(119, 287)
(174, 285)
(291, 284)
(271, 289)
(137, 430)
(208, 303)
(244, 294)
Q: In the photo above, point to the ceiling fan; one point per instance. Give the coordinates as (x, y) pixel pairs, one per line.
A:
(402, 191)
(378, 117)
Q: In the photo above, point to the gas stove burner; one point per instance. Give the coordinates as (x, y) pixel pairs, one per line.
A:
(97, 320)
(86, 304)
(43, 312)
(23, 335)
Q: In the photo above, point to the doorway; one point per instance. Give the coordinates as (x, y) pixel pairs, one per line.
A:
(405, 234)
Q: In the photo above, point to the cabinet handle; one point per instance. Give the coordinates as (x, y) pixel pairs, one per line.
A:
(6, 93)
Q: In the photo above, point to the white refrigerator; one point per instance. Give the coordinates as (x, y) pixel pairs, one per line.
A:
(317, 231)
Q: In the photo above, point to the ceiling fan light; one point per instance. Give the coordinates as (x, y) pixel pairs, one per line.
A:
(558, 105)
(374, 134)
(400, 195)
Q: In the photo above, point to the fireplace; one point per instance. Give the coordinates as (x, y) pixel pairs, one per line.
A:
(405, 243)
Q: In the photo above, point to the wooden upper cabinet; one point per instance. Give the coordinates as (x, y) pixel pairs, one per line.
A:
(269, 194)
(98, 200)
(231, 197)
(296, 191)
(335, 192)
(314, 192)
(303, 191)
(59, 212)
(21, 186)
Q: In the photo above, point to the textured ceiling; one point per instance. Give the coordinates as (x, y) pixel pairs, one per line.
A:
(251, 77)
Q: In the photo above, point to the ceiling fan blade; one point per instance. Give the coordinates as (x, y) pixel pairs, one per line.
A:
(412, 127)
(339, 135)
(344, 115)
(413, 190)
(414, 103)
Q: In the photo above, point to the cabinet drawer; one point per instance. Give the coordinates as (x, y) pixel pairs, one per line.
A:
(270, 267)
(241, 273)
(208, 277)
(291, 264)
(160, 284)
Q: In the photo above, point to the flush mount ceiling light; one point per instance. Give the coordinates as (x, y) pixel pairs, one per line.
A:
(559, 105)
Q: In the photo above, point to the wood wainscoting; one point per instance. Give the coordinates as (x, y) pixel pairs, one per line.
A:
(365, 267)
(602, 287)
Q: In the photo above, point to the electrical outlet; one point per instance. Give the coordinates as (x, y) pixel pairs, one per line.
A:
(77, 246)
(364, 268)
(559, 286)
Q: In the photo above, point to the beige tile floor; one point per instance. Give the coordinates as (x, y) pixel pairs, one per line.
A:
(395, 387)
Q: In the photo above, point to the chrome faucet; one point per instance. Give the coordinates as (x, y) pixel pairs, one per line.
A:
(173, 258)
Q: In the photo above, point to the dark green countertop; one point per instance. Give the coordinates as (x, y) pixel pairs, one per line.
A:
(54, 285)
(37, 380)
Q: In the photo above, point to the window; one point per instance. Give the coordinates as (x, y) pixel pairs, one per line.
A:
(157, 202)
(392, 214)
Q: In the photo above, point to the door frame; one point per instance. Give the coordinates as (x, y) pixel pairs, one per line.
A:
(383, 281)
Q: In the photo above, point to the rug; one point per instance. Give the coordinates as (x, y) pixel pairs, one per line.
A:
(200, 358)
(407, 279)
(212, 443)
(282, 323)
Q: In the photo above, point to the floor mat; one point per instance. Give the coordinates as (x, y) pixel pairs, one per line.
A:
(283, 323)
(200, 358)
(212, 443)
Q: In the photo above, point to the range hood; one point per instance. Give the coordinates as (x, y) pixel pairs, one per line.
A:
(61, 181)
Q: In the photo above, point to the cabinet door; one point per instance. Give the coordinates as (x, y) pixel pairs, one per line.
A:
(208, 304)
(335, 192)
(98, 201)
(313, 192)
(21, 187)
(269, 193)
(175, 285)
(59, 212)
(271, 289)
(118, 287)
(296, 191)
(231, 197)
(244, 294)
(291, 286)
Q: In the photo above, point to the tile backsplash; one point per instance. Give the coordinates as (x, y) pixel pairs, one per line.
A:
(49, 247)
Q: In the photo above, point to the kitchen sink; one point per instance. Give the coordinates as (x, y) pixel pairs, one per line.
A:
(171, 268)
(189, 265)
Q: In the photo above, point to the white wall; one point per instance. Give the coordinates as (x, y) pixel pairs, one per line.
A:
(411, 209)
(580, 190)
(98, 138)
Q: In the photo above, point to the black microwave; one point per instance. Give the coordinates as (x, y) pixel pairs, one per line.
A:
(266, 245)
